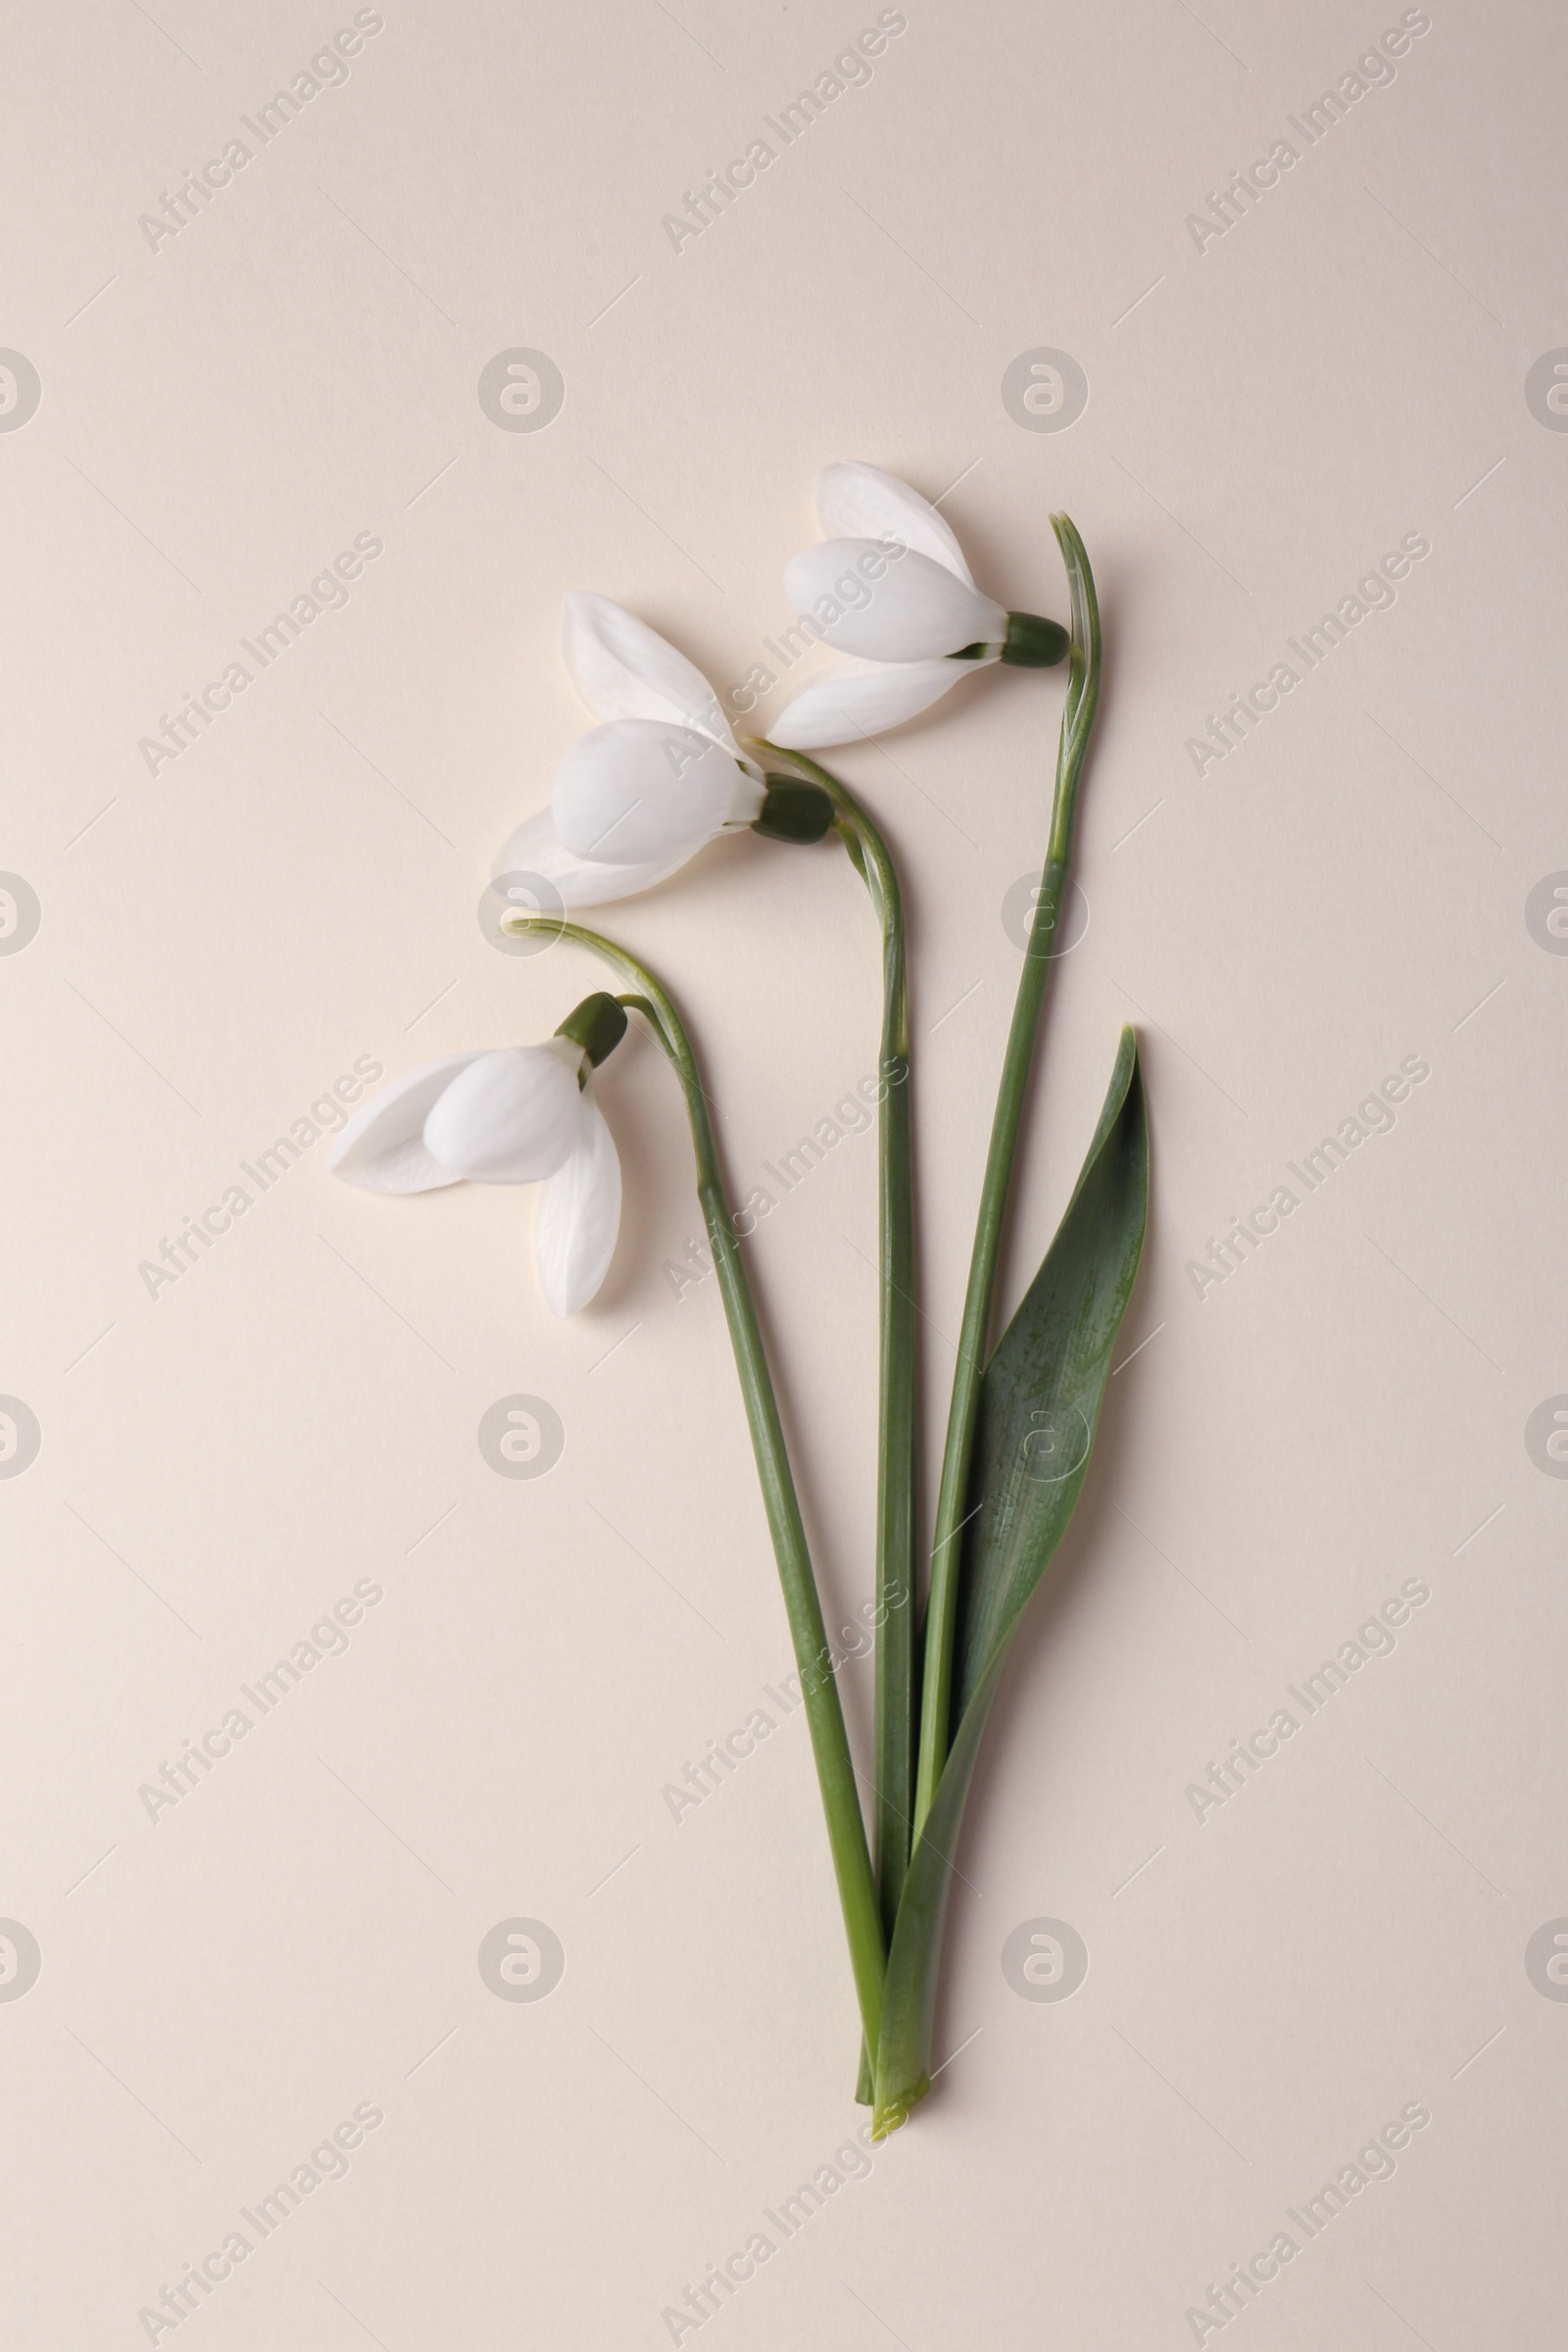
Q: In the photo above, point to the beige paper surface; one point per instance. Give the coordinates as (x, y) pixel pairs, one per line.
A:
(995, 257)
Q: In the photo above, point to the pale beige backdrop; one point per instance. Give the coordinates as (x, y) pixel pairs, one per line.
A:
(193, 426)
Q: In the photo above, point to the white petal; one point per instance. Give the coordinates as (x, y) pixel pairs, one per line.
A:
(578, 1218)
(917, 610)
(624, 669)
(856, 698)
(383, 1146)
(640, 790)
(548, 879)
(862, 502)
(512, 1117)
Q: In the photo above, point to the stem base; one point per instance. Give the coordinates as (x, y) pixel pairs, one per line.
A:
(899, 2110)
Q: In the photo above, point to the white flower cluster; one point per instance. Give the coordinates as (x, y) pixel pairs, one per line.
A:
(658, 777)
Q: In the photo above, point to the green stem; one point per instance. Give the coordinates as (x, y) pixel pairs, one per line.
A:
(896, 1597)
(1083, 690)
(851, 1860)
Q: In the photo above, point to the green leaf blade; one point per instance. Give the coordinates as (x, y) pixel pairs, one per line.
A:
(1041, 1397)
(1040, 1407)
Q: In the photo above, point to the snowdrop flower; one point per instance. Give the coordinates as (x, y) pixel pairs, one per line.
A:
(662, 776)
(888, 587)
(525, 1114)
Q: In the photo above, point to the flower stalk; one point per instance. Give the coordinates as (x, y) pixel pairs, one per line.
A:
(830, 1747)
(893, 1739)
(1078, 717)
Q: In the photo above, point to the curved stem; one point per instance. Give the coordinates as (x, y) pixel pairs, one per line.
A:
(851, 1860)
(1078, 716)
(896, 1595)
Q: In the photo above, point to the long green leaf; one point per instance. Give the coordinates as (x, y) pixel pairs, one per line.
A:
(1039, 1409)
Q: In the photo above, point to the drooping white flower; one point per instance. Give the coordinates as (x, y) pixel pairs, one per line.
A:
(644, 791)
(521, 1114)
(887, 587)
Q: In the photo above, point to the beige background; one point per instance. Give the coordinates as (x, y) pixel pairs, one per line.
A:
(219, 1464)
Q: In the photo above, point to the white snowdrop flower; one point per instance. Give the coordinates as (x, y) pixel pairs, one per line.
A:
(888, 587)
(521, 1114)
(660, 777)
